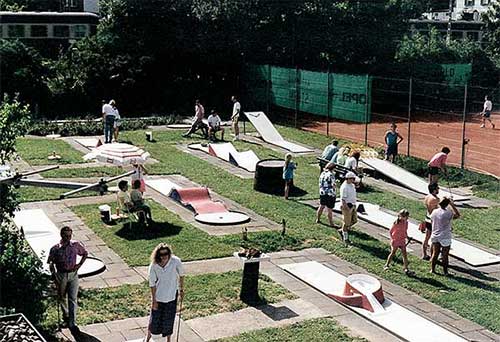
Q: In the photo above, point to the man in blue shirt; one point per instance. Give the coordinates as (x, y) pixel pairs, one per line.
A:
(330, 150)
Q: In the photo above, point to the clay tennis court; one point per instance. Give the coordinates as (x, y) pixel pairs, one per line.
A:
(428, 135)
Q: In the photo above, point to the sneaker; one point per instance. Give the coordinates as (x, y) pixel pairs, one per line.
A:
(386, 268)
(482, 126)
(409, 273)
(236, 138)
(426, 258)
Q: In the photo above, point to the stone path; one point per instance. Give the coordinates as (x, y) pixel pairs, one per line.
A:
(232, 169)
(257, 223)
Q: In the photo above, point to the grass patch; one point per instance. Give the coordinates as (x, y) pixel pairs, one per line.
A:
(87, 172)
(34, 194)
(205, 295)
(135, 245)
(313, 330)
(36, 150)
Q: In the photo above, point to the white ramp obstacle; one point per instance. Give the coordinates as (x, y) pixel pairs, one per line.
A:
(391, 316)
(41, 234)
(267, 131)
(226, 151)
(405, 178)
(89, 143)
(460, 250)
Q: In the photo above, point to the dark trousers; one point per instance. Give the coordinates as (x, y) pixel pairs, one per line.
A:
(109, 126)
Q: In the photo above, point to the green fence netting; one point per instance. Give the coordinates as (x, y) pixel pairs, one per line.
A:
(343, 96)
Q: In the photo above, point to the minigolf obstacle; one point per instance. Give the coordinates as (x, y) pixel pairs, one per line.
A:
(363, 294)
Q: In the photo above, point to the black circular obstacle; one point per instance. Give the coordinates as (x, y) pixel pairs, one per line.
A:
(269, 176)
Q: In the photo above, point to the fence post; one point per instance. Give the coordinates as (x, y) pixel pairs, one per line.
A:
(464, 119)
(328, 104)
(296, 94)
(366, 110)
(410, 90)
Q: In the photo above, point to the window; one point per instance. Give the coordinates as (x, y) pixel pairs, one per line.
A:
(16, 31)
(79, 31)
(485, 2)
(469, 3)
(38, 31)
(61, 31)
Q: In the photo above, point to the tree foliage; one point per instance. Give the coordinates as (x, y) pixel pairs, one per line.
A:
(492, 31)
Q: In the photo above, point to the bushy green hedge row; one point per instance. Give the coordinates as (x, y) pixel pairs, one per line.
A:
(83, 127)
(23, 285)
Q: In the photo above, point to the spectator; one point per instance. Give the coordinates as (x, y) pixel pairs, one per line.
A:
(138, 204)
(348, 198)
(117, 121)
(437, 163)
(353, 161)
(431, 202)
(441, 233)
(108, 116)
(342, 155)
(288, 170)
(326, 193)
(199, 114)
(399, 234)
(166, 281)
(139, 172)
(392, 139)
(235, 117)
(64, 269)
(330, 151)
(486, 113)
(214, 126)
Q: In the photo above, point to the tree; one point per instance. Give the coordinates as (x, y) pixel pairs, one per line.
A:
(492, 31)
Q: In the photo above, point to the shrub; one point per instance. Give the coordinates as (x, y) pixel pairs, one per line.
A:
(22, 280)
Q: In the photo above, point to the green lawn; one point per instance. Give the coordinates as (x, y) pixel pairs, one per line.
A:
(87, 172)
(33, 194)
(205, 295)
(36, 150)
(313, 330)
(135, 245)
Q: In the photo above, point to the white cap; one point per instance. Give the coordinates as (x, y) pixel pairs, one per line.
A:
(350, 174)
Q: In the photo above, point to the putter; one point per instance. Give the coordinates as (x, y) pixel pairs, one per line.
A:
(179, 323)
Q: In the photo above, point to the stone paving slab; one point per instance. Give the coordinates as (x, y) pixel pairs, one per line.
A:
(441, 316)
(257, 223)
(253, 318)
(117, 271)
(232, 169)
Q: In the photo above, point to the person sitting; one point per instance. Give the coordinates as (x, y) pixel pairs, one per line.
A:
(353, 161)
(214, 126)
(330, 150)
(341, 156)
(132, 202)
(197, 121)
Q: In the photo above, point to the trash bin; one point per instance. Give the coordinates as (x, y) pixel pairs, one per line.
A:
(105, 211)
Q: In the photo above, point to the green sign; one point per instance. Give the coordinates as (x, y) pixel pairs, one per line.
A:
(457, 74)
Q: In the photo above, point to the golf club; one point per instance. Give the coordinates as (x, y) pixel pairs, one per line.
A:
(179, 322)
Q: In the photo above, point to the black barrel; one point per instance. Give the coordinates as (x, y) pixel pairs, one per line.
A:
(269, 176)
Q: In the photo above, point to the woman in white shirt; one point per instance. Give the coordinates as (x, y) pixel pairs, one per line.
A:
(166, 280)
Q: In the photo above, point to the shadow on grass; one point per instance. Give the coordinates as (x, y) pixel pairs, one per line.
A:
(475, 283)
(474, 273)
(139, 231)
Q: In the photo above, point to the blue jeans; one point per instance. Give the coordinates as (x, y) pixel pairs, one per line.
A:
(109, 126)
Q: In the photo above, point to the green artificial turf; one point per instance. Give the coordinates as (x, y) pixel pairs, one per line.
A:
(36, 150)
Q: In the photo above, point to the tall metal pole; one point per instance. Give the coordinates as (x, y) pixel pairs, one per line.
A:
(464, 119)
(328, 104)
(448, 31)
(410, 90)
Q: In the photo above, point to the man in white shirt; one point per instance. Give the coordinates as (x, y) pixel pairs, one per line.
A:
(486, 113)
(108, 116)
(348, 205)
(199, 114)
(235, 117)
(117, 121)
(214, 126)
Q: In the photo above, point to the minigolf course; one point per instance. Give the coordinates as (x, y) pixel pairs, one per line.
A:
(89, 143)
(364, 295)
(226, 151)
(460, 250)
(41, 234)
(198, 200)
(269, 133)
(405, 178)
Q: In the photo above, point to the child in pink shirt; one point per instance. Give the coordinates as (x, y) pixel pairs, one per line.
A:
(399, 235)
(438, 162)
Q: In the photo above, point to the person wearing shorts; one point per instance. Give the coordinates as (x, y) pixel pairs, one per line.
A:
(392, 139)
(235, 116)
(431, 202)
(166, 280)
(486, 113)
(437, 163)
(326, 193)
(348, 198)
(441, 233)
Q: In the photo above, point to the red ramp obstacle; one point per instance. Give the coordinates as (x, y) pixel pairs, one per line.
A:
(198, 200)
